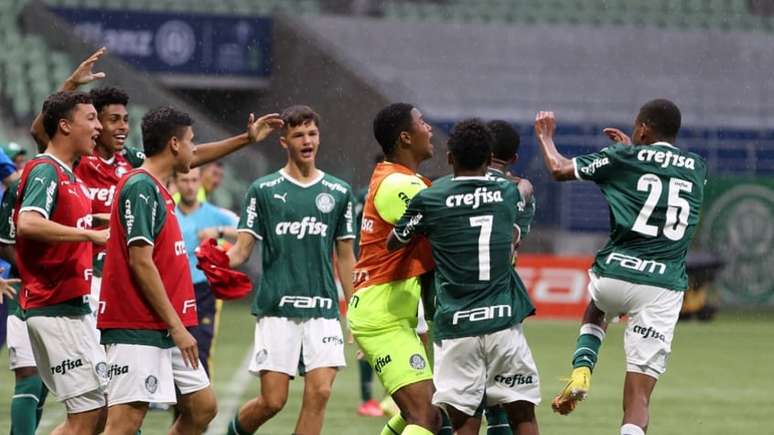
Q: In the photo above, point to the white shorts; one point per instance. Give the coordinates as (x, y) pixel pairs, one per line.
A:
(281, 343)
(496, 366)
(70, 360)
(19, 347)
(140, 373)
(96, 284)
(652, 313)
(422, 327)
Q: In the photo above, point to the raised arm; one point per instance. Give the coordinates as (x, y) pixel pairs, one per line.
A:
(147, 276)
(82, 75)
(257, 130)
(560, 167)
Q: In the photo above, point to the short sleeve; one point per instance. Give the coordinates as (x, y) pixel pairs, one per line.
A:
(597, 166)
(40, 190)
(412, 222)
(134, 156)
(394, 194)
(7, 228)
(346, 225)
(141, 211)
(249, 218)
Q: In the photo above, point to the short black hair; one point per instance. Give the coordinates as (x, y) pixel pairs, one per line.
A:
(160, 125)
(108, 95)
(60, 105)
(662, 116)
(506, 139)
(297, 115)
(389, 123)
(471, 142)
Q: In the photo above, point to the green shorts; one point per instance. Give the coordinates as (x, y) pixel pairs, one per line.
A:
(383, 320)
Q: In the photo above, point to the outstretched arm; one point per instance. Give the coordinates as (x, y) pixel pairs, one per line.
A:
(257, 130)
(560, 167)
(33, 225)
(82, 75)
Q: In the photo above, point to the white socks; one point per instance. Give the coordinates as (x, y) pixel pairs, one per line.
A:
(631, 429)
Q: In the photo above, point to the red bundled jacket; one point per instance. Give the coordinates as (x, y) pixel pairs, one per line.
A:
(225, 282)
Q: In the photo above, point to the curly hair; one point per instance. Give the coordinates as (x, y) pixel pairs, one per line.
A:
(160, 125)
(470, 142)
(60, 105)
(108, 95)
(662, 116)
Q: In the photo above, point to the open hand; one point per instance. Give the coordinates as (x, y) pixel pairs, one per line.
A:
(84, 73)
(187, 345)
(6, 289)
(259, 129)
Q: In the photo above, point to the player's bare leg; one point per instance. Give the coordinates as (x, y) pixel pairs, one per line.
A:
(197, 410)
(274, 394)
(583, 362)
(636, 400)
(462, 423)
(522, 417)
(126, 418)
(317, 390)
(415, 403)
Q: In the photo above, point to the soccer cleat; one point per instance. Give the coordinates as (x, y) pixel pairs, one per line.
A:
(370, 408)
(576, 390)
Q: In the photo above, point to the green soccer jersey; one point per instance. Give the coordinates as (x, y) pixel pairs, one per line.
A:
(147, 211)
(654, 194)
(298, 224)
(8, 233)
(469, 222)
(525, 208)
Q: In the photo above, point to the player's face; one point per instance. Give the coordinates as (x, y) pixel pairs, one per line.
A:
(115, 127)
(183, 148)
(84, 128)
(188, 186)
(420, 135)
(302, 142)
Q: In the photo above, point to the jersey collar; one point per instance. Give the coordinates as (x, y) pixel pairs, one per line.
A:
(300, 184)
(491, 169)
(664, 144)
(476, 177)
(108, 161)
(61, 163)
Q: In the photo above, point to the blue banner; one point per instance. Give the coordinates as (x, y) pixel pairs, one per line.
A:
(179, 43)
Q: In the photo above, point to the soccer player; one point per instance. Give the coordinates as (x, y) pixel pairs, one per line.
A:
(147, 295)
(112, 158)
(480, 351)
(53, 247)
(199, 220)
(654, 191)
(505, 153)
(301, 214)
(383, 313)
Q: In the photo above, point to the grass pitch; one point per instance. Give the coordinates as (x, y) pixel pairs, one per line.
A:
(718, 381)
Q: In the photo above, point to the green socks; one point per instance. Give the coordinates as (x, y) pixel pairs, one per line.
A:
(497, 422)
(394, 426)
(27, 405)
(587, 346)
(235, 429)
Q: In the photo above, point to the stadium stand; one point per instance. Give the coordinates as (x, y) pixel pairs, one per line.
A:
(672, 14)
